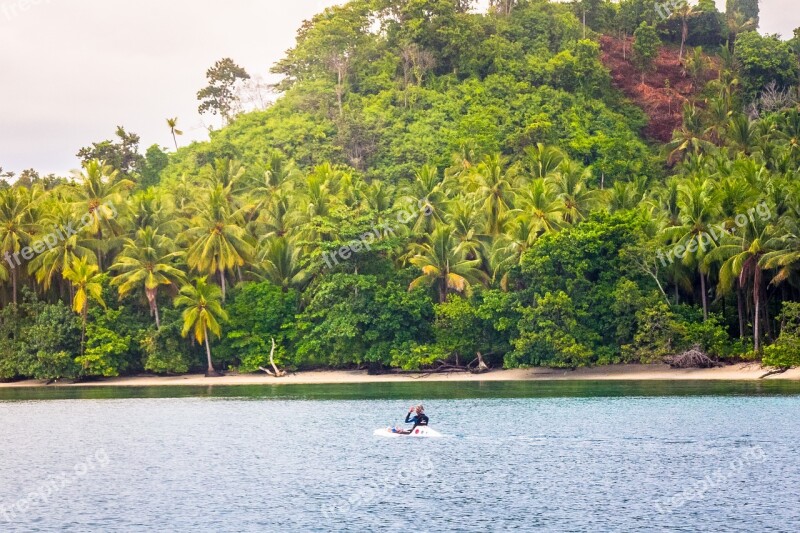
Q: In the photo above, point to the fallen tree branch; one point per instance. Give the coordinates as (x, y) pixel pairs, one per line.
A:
(780, 370)
(482, 367)
(277, 372)
(693, 358)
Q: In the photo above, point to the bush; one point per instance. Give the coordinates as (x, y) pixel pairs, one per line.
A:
(550, 335)
(412, 356)
(257, 313)
(164, 350)
(38, 340)
(785, 353)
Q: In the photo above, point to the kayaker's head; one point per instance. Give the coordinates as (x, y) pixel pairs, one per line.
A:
(420, 409)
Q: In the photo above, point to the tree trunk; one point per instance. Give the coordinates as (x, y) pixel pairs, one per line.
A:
(152, 294)
(14, 284)
(740, 309)
(584, 24)
(222, 283)
(211, 372)
(158, 318)
(624, 46)
(175, 139)
(757, 312)
(482, 367)
(84, 313)
(340, 90)
(704, 295)
(684, 35)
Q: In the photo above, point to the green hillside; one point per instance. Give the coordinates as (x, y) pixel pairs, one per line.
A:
(433, 188)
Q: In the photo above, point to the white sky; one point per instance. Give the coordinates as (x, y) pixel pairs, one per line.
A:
(71, 70)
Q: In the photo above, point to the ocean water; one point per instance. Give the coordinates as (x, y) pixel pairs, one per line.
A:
(515, 457)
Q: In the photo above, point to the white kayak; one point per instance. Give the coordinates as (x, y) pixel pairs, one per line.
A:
(419, 431)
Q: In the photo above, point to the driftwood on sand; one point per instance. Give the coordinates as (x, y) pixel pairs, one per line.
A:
(692, 358)
(275, 372)
(476, 366)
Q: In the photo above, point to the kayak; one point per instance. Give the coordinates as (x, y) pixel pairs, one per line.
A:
(420, 431)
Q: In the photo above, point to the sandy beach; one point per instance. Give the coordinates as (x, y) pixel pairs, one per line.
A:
(751, 371)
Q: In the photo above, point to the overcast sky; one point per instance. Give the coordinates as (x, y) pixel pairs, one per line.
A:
(71, 70)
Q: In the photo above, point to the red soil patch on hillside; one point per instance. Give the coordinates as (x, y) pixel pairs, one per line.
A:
(663, 105)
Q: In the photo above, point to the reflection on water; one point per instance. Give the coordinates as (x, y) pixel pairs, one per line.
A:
(554, 456)
(430, 389)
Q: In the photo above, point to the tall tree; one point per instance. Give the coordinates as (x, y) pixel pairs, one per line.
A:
(748, 8)
(220, 97)
(16, 230)
(87, 282)
(121, 155)
(495, 190)
(100, 196)
(218, 242)
(684, 12)
(172, 123)
(147, 262)
(645, 48)
(202, 314)
(444, 265)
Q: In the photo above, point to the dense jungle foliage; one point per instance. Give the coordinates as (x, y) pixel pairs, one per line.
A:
(433, 186)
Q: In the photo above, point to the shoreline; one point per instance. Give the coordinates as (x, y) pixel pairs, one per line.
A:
(657, 372)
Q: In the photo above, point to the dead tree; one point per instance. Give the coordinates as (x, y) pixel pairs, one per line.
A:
(275, 372)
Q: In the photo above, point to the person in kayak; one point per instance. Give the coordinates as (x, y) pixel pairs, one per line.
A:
(419, 419)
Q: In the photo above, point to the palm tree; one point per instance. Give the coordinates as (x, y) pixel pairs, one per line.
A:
(625, 195)
(278, 178)
(788, 134)
(98, 193)
(464, 160)
(87, 282)
(684, 12)
(742, 135)
(569, 186)
(147, 262)
(493, 187)
(279, 261)
(379, 196)
(50, 264)
(428, 198)
(744, 262)
(785, 250)
(468, 222)
(717, 119)
(543, 161)
(689, 138)
(444, 264)
(218, 242)
(539, 207)
(227, 174)
(276, 217)
(737, 23)
(150, 209)
(202, 314)
(173, 129)
(16, 229)
(698, 205)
